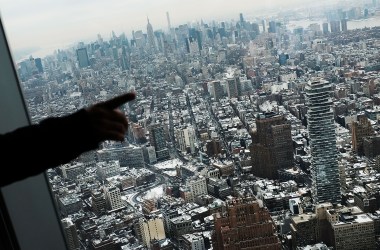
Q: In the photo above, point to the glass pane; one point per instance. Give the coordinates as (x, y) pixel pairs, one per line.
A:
(255, 123)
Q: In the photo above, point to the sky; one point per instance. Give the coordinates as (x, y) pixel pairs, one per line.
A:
(52, 24)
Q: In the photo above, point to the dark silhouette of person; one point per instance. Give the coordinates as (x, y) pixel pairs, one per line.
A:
(30, 150)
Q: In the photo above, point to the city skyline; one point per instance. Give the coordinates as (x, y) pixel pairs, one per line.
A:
(48, 26)
(239, 137)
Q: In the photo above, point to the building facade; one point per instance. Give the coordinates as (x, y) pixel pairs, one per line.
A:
(151, 229)
(321, 127)
(113, 197)
(185, 138)
(246, 225)
(158, 141)
(108, 169)
(360, 129)
(71, 235)
(271, 149)
(82, 57)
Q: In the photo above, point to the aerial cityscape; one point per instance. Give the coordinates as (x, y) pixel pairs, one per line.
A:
(251, 133)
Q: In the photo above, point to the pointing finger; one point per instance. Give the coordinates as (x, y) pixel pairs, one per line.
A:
(118, 101)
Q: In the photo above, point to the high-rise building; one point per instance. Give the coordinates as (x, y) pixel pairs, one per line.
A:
(232, 88)
(371, 146)
(72, 170)
(82, 57)
(321, 127)
(272, 27)
(264, 25)
(138, 133)
(149, 153)
(213, 147)
(360, 129)
(106, 169)
(113, 197)
(135, 156)
(193, 241)
(271, 148)
(38, 63)
(354, 232)
(130, 156)
(325, 28)
(217, 91)
(241, 18)
(344, 25)
(151, 39)
(107, 243)
(139, 38)
(158, 141)
(197, 186)
(71, 235)
(283, 58)
(169, 25)
(303, 230)
(151, 229)
(335, 26)
(185, 137)
(98, 202)
(245, 225)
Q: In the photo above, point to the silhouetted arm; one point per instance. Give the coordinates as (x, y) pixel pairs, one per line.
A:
(32, 149)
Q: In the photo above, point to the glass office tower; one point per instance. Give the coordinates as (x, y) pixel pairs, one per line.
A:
(325, 172)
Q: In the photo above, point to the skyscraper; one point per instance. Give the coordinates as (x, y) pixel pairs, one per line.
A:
(151, 41)
(169, 25)
(245, 225)
(38, 63)
(324, 162)
(113, 197)
(344, 24)
(216, 90)
(152, 228)
(335, 26)
(360, 129)
(264, 25)
(325, 28)
(241, 18)
(271, 150)
(185, 137)
(272, 27)
(158, 141)
(83, 58)
(232, 89)
(71, 235)
(98, 202)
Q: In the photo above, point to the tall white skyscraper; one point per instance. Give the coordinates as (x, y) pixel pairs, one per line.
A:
(324, 161)
(169, 25)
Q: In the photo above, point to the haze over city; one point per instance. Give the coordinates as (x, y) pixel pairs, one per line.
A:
(48, 25)
(255, 125)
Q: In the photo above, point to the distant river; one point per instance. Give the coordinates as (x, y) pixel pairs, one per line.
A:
(351, 25)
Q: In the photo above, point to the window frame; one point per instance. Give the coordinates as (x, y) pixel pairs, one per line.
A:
(29, 218)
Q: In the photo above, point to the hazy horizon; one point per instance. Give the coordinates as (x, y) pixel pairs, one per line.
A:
(43, 24)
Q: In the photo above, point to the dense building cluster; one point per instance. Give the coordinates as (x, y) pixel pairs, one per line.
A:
(244, 135)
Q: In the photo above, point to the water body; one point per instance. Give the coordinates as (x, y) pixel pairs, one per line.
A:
(351, 25)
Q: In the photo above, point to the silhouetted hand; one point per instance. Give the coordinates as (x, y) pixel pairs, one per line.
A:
(108, 122)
